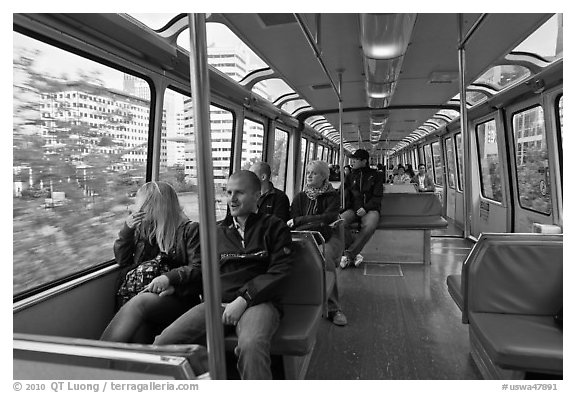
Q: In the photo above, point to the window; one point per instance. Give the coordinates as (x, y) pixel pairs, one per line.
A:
(178, 164)
(489, 160)
(450, 164)
(303, 158)
(459, 160)
(252, 143)
(533, 173)
(279, 159)
(72, 179)
(428, 159)
(560, 122)
(438, 167)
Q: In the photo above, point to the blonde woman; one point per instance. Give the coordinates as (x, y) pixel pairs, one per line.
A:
(315, 208)
(157, 230)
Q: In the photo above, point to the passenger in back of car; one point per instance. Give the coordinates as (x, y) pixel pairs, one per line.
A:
(315, 208)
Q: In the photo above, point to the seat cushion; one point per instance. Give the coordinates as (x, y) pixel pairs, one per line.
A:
(520, 342)
(454, 283)
(412, 222)
(297, 332)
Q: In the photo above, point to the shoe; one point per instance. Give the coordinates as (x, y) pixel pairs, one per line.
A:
(346, 260)
(358, 260)
(339, 319)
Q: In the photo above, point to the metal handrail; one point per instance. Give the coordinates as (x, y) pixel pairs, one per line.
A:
(200, 89)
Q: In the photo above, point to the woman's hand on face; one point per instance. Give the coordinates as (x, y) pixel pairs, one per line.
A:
(135, 219)
(290, 223)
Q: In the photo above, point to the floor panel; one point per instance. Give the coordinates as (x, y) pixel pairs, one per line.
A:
(400, 326)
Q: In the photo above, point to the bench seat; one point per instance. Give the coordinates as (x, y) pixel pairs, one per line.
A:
(412, 222)
(295, 336)
(520, 342)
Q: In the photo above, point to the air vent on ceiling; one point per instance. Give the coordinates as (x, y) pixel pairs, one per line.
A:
(270, 20)
(321, 87)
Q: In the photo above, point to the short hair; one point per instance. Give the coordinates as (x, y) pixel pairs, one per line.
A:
(321, 166)
(262, 167)
(250, 177)
(421, 164)
(401, 166)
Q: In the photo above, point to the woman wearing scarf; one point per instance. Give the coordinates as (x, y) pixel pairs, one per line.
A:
(314, 208)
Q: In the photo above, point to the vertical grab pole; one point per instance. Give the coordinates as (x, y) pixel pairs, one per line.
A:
(341, 141)
(464, 128)
(210, 267)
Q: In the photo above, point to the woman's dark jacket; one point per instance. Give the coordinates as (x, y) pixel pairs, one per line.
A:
(324, 210)
(132, 248)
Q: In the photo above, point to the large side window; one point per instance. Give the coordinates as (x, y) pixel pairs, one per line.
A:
(489, 160)
(438, 167)
(459, 160)
(252, 143)
(531, 153)
(80, 138)
(279, 159)
(451, 165)
(178, 164)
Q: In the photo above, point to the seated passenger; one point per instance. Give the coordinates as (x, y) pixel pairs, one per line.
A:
(363, 190)
(157, 226)
(272, 200)
(401, 177)
(409, 171)
(423, 180)
(255, 257)
(314, 209)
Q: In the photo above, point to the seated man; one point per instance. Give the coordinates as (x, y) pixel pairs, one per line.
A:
(272, 200)
(363, 192)
(423, 180)
(255, 257)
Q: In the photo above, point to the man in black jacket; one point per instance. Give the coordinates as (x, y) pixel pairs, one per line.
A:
(255, 257)
(272, 200)
(363, 193)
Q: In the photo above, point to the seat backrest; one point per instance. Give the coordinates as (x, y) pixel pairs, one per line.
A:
(421, 204)
(514, 274)
(305, 284)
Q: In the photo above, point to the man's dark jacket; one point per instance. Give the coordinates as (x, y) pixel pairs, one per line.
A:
(254, 268)
(275, 202)
(363, 188)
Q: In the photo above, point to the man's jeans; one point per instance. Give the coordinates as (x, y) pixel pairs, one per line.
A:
(332, 254)
(368, 225)
(255, 330)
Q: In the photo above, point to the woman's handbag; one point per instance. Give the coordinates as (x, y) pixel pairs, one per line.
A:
(137, 279)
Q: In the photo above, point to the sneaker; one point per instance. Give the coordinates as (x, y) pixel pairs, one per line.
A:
(346, 260)
(339, 319)
(358, 260)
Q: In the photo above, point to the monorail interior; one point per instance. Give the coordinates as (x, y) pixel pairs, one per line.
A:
(403, 322)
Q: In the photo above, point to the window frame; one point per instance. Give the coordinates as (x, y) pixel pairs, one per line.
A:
(498, 148)
(449, 140)
(460, 178)
(514, 150)
(277, 128)
(434, 163)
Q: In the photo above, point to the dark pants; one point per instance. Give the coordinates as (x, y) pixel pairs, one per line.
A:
(255, 330)
(143, 316)
(368, 225)
(332, 254)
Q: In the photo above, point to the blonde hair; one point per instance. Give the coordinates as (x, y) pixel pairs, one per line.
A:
(163, 213)
(321, 167)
